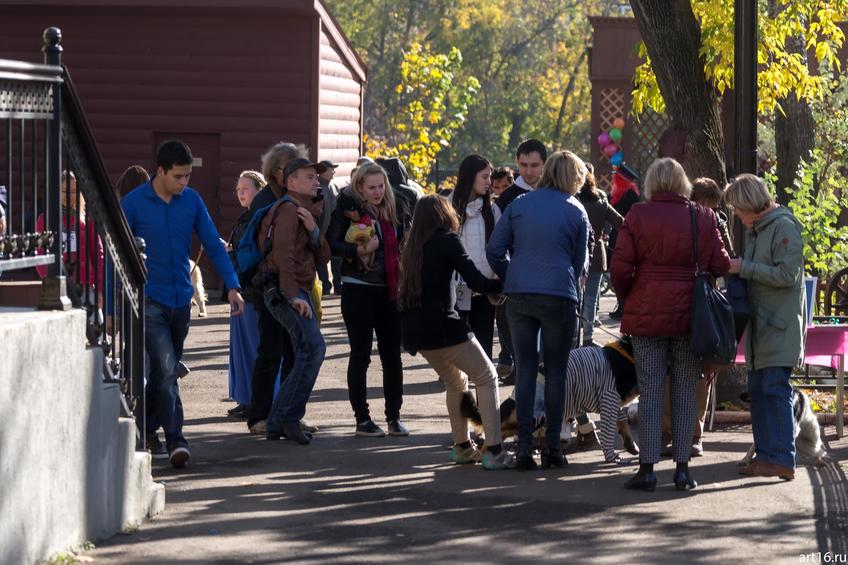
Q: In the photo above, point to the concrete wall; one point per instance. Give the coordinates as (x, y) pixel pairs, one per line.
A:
(69, 472)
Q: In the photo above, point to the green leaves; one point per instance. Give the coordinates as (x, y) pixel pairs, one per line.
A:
(781, 71)
(432, 103)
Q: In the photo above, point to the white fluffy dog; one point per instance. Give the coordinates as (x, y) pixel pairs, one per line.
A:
(199, 299)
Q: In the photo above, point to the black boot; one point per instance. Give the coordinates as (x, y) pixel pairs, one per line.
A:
(644, 479)
(553, 458)
(682, 479)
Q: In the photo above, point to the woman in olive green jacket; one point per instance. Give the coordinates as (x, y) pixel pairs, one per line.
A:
(773, 265)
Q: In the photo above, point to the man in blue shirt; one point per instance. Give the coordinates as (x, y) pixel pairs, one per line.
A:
(165, 212)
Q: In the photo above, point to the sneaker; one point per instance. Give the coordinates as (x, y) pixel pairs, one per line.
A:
(666, 450)
(504, 369)
(156, 448)
(179, 456)
(465, 455)
(396, 428)
(503, 460)
(259, 428)
(369, 429)
(304, 427)
(697, 449)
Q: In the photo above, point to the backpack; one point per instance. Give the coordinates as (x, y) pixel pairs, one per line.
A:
(248, 253)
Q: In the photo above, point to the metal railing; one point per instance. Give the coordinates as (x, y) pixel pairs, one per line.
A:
(63, 218)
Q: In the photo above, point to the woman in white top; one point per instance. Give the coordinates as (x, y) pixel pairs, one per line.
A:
(477, 217)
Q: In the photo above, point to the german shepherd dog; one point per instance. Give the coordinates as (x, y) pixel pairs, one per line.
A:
(616, 362)
(806, 431)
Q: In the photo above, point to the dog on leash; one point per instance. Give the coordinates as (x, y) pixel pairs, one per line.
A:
(806, 431)
(598, 379)
(200, 297)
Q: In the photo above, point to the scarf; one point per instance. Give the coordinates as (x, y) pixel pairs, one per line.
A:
(391, 254)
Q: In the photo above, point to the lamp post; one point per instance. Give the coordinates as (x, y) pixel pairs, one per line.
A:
(745, 79)
(745, 98)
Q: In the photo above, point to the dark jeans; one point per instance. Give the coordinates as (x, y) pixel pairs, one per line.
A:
(336, 269)
(324, 276)
(481, 320)
(555, 317)
(274, 347)
(165, 330)
(504, 336)
(309, 350)
(771, 415)
(367, 311)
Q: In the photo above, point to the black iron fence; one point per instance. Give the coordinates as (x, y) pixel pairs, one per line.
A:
(63, 219)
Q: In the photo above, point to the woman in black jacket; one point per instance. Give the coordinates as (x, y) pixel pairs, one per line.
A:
(366, 233)
(432, 326)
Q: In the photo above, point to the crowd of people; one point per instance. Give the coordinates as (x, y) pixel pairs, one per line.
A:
(438, 274)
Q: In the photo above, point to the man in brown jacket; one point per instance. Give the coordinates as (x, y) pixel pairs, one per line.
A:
(297, 246)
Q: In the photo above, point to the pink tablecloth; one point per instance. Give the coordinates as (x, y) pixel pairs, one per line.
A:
(825, 344)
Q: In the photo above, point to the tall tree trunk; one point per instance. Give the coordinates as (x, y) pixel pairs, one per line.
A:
(673, 37)
(517, 122)
(566, 93)
(794, 133)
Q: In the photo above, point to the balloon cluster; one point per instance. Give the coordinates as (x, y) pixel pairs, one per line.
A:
(610, 142)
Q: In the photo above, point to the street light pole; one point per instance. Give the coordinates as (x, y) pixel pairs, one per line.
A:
(745, 97)
(745, 80)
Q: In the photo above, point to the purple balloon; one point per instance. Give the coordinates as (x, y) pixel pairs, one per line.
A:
(604, 139)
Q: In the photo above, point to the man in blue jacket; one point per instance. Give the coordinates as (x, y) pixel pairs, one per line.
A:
(165, 212)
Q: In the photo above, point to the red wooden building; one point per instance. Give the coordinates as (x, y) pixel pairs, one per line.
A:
(230, 77)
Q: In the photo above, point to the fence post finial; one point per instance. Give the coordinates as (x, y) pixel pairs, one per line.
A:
(52, 48)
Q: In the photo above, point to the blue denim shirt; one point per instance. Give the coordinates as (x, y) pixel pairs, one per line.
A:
(167, 229)
(540, 244)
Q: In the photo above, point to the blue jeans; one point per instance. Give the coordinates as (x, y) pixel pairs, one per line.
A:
(309, 349)
(555, 317)
(771, 415)
(590, 304)
(165, 330)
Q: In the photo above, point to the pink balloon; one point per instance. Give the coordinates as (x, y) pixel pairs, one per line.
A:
(604, 139)
(610, 149)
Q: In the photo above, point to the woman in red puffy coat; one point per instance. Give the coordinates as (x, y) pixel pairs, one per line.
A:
(653, 273)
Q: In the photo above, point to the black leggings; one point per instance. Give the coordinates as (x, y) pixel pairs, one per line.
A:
(367, 311)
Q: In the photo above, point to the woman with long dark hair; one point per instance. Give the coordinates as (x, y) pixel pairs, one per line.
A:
(477, 218)
(432, 326)
(366, 233)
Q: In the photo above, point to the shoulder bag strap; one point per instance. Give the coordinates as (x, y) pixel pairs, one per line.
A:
(694, 222)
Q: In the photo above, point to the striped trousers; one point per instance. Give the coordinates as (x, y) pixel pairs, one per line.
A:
(656, 356)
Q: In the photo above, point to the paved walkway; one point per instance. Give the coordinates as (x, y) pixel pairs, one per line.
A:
(350, 500)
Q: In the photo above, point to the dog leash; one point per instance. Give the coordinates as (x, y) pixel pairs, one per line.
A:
(196, 261)
(603, 329)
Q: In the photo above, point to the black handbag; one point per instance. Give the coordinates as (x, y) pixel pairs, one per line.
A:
(713, 336)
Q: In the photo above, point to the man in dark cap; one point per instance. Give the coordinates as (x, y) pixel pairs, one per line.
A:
(288, 267)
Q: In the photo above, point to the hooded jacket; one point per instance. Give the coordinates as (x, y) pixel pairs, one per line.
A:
(773, 265)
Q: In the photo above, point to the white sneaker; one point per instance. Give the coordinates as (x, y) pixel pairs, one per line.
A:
(503, 460)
